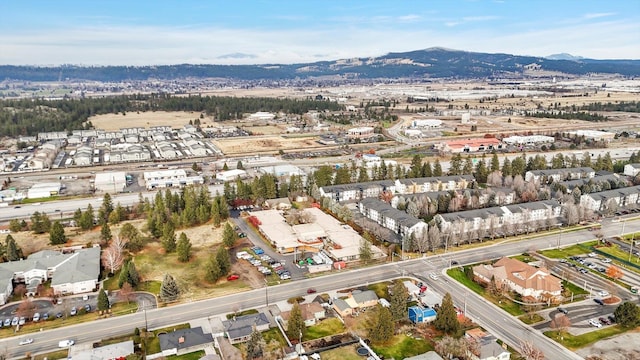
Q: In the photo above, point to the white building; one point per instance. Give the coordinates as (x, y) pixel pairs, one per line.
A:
(164, 178)
(261, 116)
(426, 123)
(594, 135)
(363, 132)
(44, 190)
(632, 169)
(111, 182)
(528, 140)
(231, 175)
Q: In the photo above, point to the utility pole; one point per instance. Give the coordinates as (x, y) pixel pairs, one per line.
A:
(266, 292)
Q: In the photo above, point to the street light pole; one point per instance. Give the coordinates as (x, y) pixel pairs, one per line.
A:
(266, 292)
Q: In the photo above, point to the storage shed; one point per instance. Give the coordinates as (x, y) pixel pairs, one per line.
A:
(419, 314)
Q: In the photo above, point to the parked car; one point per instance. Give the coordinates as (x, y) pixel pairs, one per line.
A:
(233, 277)
(87, 308)
(257, 250)
(85, 297)
(7, 322)
(595, 323)
(14, 321)
(606, 260)
(36, 317)
(592, 254)
(59, 315)
(611, 318)
(26, 341)
(45, 316)
(604, 321)
(73, 311)
(433, 276)
(22, 320)
(563, 310)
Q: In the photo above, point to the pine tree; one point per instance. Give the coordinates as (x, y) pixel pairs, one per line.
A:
(222, 258)
(365, 251)
(133, 278)
(398, 297)
(215, 213)
(295, 326)
(382, 329)
(12, 250)
(212, 269)
(447, 319)
(124, 275)
(103, 300)
(57, 236)
(437, 168)
(105, 232)
(228, 236)
(183, 248)
(255, 345)
(169, 290)
(168, 238)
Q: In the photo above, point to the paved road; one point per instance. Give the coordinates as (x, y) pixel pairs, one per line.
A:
(498, 322)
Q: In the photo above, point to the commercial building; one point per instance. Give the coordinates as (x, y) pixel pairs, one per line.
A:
(363, 132)
(169, 178)
(231, 175)
(111, 182)
(44, 190)
(594, 135)
(426, 123)
(528, 140)
(471, 145)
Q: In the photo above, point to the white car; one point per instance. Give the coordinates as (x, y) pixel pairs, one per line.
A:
(26, 341)
(606, 260)
(66, 343)
(592, 254)
(596, 323)
(433, 276)
(36, 317)
(603, 293)
(85, 297)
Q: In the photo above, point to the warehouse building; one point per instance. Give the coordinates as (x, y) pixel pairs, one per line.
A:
(110, 182)
(44, 190)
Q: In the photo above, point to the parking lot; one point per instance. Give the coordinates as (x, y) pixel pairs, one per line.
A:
(580, 314)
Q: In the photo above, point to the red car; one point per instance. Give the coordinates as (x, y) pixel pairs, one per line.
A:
(233, 277)
(311, 290)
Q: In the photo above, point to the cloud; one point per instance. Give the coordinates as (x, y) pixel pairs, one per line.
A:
(480, 18)
(597, 15)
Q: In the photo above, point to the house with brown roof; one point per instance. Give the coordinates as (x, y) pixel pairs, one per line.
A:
(311, 313)
(522, 278)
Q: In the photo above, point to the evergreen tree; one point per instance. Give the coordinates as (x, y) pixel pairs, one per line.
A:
(228, 236)
(86, 220)
(627, 314)
(415, 170)
(183, 248)
(383, 328)
(222, 258)
(225, 167)
(495, 163)
(12, 250)
(365, 251)
(239, 165)
(168, 238)
(124, 275)
(437, 168)
(215, 213)
(446, 319)
(57, 236)
(398, 300)
(427, 171)
(255, 345)
(40, 223)
(295, 326)
(105, 232)
(212, 269)
(133, 278)
(103, 301)
(506, 167)
(169, 290)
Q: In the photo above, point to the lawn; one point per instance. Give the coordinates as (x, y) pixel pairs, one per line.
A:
(575, 289)
(402, 346)
(575, 342)
(342, 353)
(326, 327)
(380, 289)
(624, 255)
(274, 334)
(524, 258)
(572, 250)
(534, 318)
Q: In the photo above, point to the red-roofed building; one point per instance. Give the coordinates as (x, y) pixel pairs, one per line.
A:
(471, 145)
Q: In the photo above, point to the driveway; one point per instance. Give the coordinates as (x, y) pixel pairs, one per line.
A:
(579, 314)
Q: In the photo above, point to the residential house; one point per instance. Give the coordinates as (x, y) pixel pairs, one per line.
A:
(364, 299)
(632, 169)
(611, 200)
(311, 313)
(435, 183)
(556, 175)
(357, 191)
(524, 279)
(342, 307)
(166, 150)
(83, 156)
(129, 152)
(429, 355)
(184, 341)
(239, 329)
(278, 204)
(596, 183)
(488, 346)
(396, 220)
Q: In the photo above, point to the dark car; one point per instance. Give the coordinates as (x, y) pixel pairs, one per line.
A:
(563, 310)
(611, 318)
(59, 315)
(604, 321)
(87, 308)
(598, 301)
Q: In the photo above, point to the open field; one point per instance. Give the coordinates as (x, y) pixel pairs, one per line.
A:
(263, 143)
(175, 119)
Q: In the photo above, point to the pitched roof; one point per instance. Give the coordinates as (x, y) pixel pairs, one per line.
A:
(434, 179)
(610, 194)
(389, 211)
(341, 304)
(527, 276)
(184, 338)
(243, 325)
(308, 311)
(364, 296)
(358, 186)
(83, 265)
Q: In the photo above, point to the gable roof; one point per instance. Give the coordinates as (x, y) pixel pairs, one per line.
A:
(527, 276)
(184, 338)
(243, 325)
(308, 311)
(341, 304)
(364, 296)
(83, 265)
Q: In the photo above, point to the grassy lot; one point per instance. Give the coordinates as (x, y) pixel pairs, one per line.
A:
(151, 286)
(326, 327)
(402, 346)
(575, 342)
(575, 289)
(274, 334)
(60, 354)
(568, 251)
(190, 356)
(617, 252)
(535, 318)
(242, 313)
(342, 353)
(380, 289)
(505, 304)
(524, 258)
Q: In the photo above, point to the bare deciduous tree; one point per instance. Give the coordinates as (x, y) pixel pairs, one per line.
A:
(560, 322)
(530, 352)
(495, 178)
(113, 257)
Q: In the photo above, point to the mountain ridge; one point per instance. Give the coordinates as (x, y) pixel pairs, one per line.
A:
(434, 62)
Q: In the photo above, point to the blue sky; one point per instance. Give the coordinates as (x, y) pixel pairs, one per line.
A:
(140, 32)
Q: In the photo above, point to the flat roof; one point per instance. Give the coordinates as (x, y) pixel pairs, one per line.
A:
(276, 229)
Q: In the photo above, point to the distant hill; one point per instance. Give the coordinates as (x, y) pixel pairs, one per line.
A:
(419, 64)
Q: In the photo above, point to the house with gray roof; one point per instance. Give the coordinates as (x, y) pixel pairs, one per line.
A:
(342, 307)
(184, 341)
(391, 218)
(556, 175)
(632, 169)
(612, 200)
(239, 328)
(71, 273)
(597, 182)
(434, 183)
(357, 191)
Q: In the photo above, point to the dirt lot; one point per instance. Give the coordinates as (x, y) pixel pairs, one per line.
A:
(263, 143)
(147, 119)
(623, 347)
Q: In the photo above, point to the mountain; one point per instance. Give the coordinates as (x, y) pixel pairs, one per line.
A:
(419, 64)
(564, 56)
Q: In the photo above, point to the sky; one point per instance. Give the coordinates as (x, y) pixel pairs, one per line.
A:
(141, 32)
